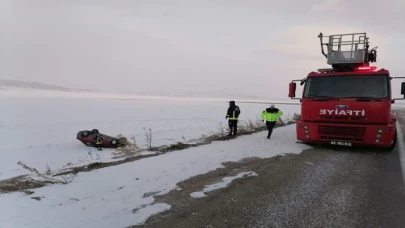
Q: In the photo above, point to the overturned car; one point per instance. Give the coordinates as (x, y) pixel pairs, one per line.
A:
(89, 138)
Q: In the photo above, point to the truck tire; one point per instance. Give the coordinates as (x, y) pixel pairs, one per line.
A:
(310, 144)
(394, 143)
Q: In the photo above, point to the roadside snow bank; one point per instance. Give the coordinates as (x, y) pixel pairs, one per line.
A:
(115, 196)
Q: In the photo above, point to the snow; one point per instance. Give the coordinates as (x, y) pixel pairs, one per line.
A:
(41, 131)
(144, 213)
(401, 144)
(6, 91)
(107, 197)
(225, 182)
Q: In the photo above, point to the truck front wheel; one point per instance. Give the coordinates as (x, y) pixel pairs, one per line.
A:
(394, 143)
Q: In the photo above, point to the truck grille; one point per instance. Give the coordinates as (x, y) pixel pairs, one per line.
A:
(341, 131)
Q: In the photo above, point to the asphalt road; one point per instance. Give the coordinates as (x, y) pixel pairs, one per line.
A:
(317, 188)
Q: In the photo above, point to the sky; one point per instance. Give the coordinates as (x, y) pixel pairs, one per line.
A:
(250, 47)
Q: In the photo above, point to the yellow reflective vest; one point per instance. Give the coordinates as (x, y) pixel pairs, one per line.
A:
(99, 140)
(271, 115)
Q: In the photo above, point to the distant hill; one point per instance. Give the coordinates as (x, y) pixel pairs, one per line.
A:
(36, 85)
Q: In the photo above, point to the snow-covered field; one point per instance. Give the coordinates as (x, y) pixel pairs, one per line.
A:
(40, 131)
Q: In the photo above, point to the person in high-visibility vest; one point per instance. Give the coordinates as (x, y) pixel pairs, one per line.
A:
(99, 142)
(270, 116)
(232, 115)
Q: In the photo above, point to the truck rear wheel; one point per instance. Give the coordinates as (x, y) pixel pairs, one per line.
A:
(394, 143)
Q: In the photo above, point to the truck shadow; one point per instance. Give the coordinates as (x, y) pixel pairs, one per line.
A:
(354, 149)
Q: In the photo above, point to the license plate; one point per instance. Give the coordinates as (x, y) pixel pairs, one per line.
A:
(340, 143)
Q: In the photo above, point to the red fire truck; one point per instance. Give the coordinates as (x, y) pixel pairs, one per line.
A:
(348, 104)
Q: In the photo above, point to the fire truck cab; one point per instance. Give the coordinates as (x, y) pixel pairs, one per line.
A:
(348, 104)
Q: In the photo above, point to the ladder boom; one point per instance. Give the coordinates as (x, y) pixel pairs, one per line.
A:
(347, 51)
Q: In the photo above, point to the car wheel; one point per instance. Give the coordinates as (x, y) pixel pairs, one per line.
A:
(95, 131)
(85, 133)
(114, 142)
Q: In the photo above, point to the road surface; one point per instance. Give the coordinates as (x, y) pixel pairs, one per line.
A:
(317, 188)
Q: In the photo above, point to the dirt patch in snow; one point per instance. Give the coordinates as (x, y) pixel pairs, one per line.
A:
(100, 165)
(21, 183)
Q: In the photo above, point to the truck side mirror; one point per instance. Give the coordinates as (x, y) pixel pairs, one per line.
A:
(402, 90)
(293, 86)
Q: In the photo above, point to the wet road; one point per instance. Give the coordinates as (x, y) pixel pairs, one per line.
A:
(317, 188)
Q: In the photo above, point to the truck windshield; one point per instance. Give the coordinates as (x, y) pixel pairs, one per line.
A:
(367, 86)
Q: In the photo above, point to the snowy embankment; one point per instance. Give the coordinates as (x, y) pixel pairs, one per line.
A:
(40, 130)
(118, 196)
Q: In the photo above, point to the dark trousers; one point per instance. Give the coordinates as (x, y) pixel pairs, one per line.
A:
(270, 126)
(233, 125)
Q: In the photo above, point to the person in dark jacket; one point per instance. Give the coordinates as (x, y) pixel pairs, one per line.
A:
(232, 115)
(270, 115)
